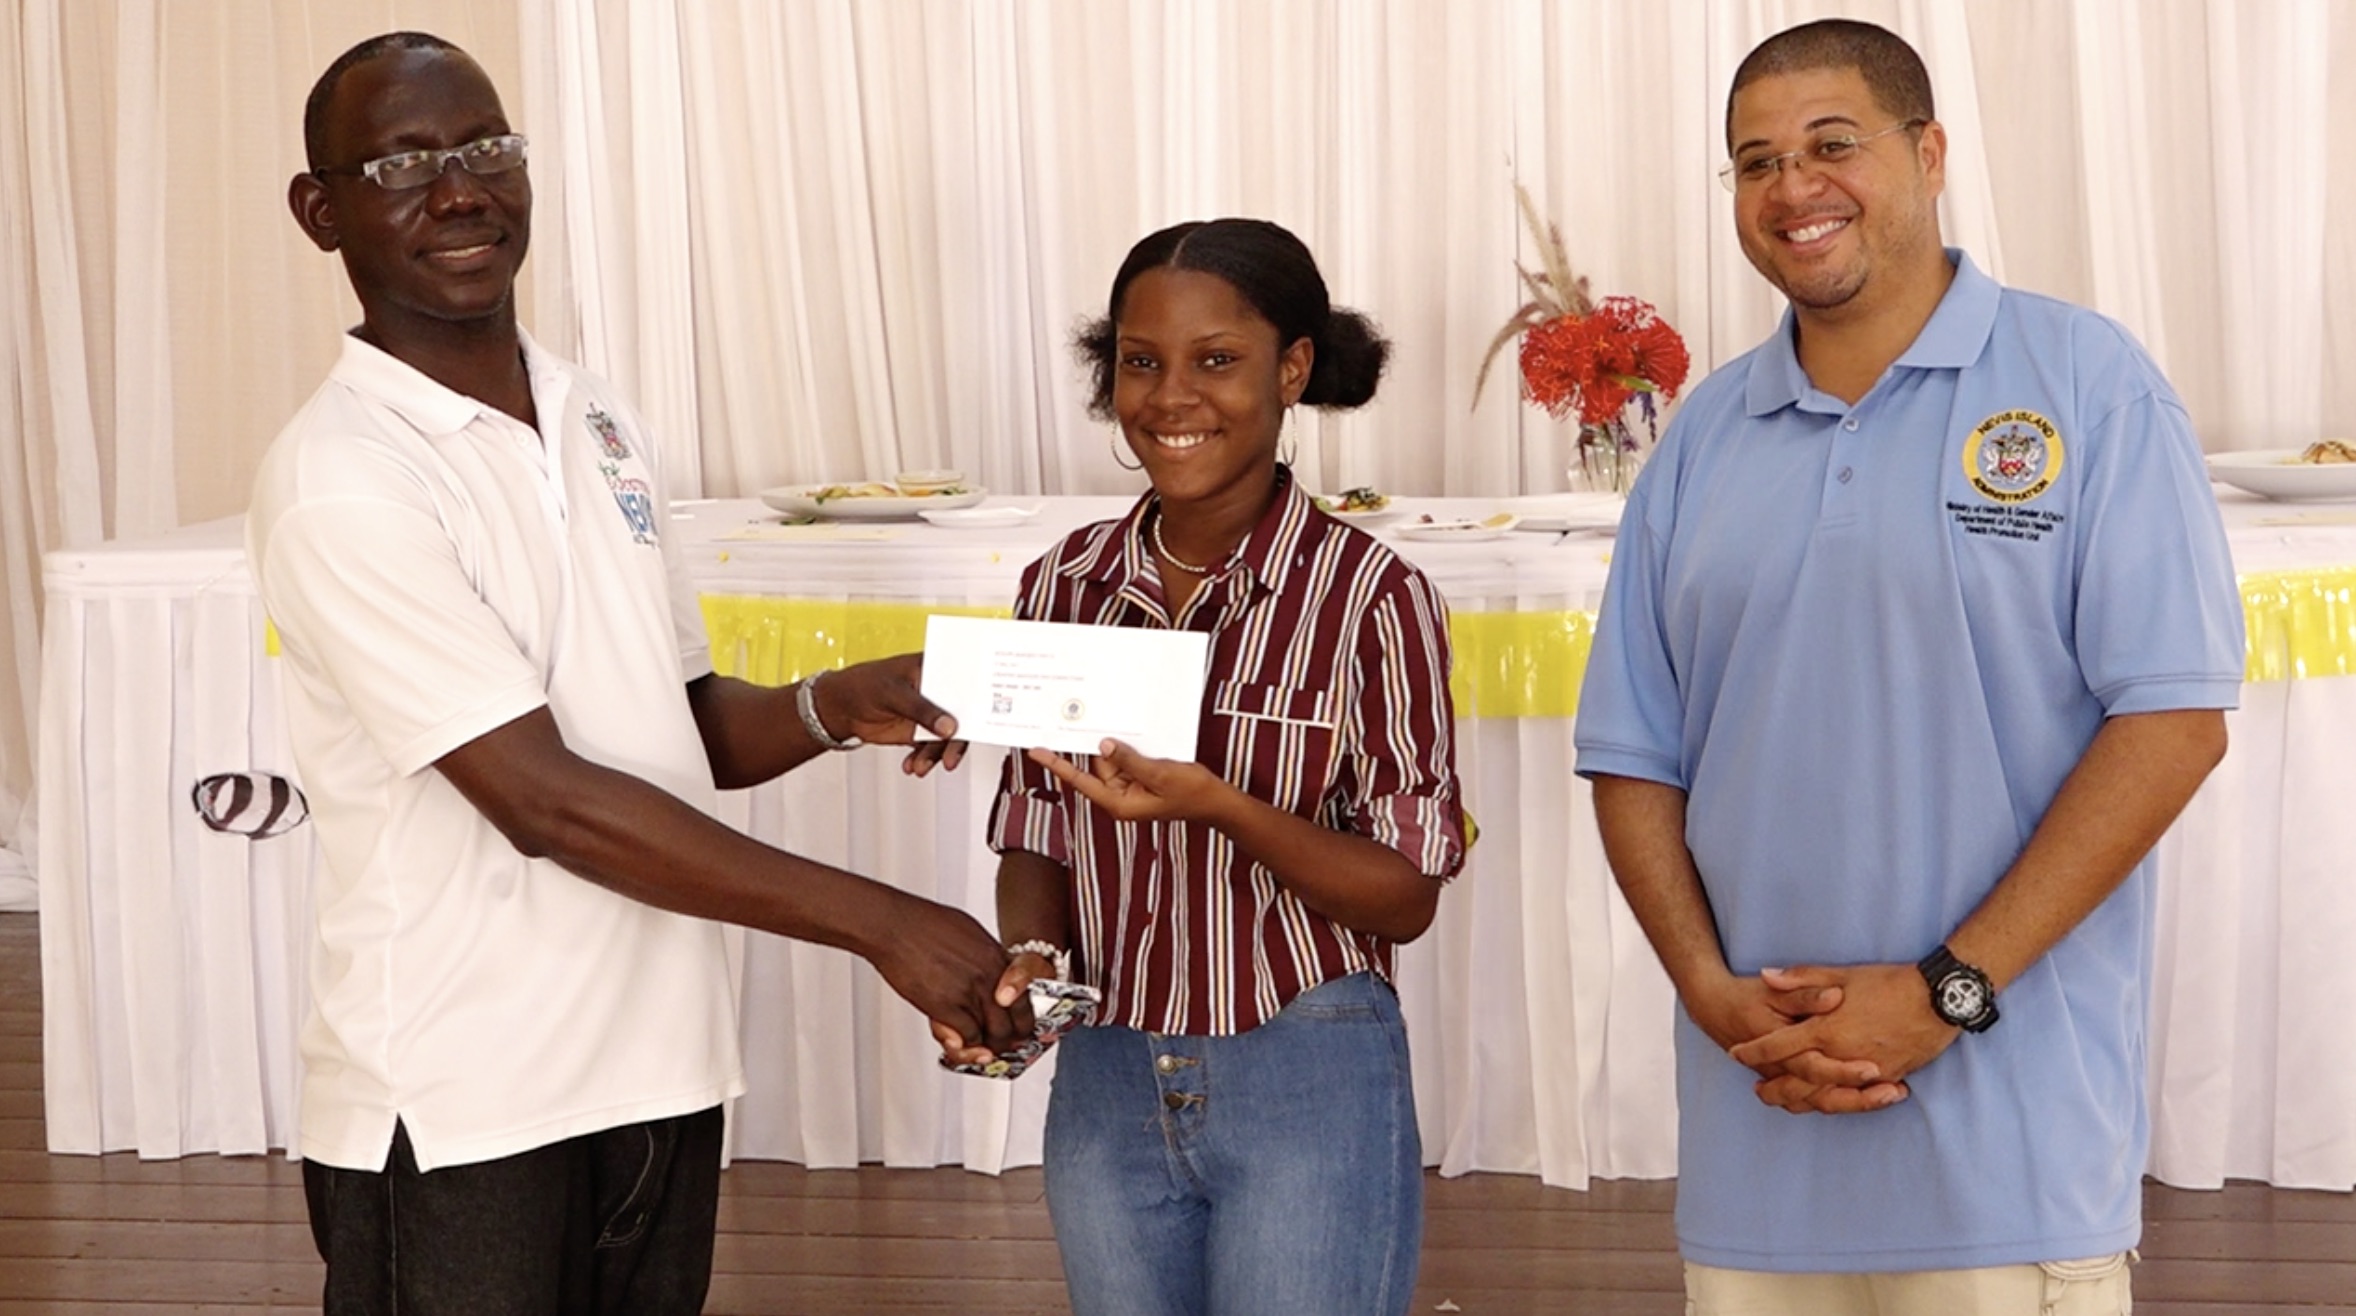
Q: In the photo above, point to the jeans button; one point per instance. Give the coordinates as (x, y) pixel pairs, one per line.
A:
(1166, 1064)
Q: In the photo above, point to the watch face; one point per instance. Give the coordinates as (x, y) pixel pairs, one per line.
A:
(1961, 997)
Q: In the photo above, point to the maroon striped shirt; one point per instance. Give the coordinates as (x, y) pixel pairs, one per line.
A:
(1327, 697)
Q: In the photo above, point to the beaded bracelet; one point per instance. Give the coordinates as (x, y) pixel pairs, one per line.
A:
(1061, 959)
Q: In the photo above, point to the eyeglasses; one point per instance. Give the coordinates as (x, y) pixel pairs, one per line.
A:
(1825, 153)
(399, 173)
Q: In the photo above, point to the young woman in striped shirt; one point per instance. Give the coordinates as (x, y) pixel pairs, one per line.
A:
(1237, 1131)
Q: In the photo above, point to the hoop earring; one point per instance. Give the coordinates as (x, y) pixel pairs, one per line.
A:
(1288, 441)
(1117, 445)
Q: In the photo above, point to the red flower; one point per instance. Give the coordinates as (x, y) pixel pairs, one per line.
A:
(1554, 364)
(1596, 364)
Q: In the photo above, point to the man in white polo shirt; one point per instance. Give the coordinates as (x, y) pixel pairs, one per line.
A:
(1919, 632)
(511, 735)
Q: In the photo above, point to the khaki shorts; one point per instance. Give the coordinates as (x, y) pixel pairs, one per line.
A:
(2093, 1287)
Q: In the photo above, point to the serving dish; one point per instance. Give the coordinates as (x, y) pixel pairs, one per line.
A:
(1457, 531)
(851, 502)
(2278, 473)
(1565, 512)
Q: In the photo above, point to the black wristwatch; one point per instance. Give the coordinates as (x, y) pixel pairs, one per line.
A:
(1961, 994)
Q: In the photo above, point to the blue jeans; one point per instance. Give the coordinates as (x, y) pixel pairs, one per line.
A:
(1276, 1171)
(615, 1223)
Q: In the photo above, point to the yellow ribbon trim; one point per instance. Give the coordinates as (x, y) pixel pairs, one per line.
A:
(2302, 624)
(1508, 664)
(778, 641)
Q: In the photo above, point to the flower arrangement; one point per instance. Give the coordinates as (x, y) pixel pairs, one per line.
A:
(1592, 360)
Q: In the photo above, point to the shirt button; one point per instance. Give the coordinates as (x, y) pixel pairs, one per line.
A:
(1850, 424)
(1174, 1100)
(1845, 474)
(1167, 1064)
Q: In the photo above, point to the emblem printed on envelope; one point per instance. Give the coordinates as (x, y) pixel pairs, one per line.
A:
(632, 494)
(2013, 456)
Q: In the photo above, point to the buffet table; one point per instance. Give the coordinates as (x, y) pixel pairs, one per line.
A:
(173, 955)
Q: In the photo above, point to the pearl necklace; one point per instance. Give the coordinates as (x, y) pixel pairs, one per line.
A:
(1173, 559)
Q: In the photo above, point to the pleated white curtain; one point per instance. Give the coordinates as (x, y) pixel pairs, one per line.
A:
(892, 212)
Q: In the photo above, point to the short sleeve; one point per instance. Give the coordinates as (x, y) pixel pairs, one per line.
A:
(369, 596)
(2159, 614)
(1630, 719)
(1400, 733)
(687, 612)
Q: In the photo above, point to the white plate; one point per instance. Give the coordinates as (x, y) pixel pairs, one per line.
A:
(1457, 532)
(977, 518)
(1557, 513)
(2278, 473)
(802, 500)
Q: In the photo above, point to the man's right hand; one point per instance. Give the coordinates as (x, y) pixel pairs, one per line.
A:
(1733, 1010)
(1014, 992)
(946, 965)
(1736, 1010)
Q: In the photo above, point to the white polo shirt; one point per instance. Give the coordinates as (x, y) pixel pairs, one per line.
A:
(436, 569)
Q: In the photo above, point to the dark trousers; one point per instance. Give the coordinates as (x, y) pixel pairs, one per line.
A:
(616, 1223)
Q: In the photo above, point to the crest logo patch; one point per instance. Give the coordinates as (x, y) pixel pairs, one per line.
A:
(633, 496)
(2013, 456)
(609, 435)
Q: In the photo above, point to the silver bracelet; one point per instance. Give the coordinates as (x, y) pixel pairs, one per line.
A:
(1061, 959)
(806, 702)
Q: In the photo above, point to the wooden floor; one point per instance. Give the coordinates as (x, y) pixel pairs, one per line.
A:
(112, 1236)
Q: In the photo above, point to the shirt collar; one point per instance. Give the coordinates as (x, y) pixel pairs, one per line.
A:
(1266, 554)
(1952, 339)
(425, 402)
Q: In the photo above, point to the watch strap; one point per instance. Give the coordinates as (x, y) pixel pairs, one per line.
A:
(1939, 969)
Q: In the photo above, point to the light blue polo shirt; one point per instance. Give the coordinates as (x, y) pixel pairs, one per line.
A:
(1869, 642)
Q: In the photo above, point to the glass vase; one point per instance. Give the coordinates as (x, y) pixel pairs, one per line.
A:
(1609, 459)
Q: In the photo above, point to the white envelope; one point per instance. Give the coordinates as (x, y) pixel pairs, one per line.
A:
(1067, 687)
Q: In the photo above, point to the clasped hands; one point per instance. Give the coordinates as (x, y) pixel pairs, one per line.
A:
(1832, 1041)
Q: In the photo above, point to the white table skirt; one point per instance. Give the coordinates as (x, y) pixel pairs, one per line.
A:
(173, 957)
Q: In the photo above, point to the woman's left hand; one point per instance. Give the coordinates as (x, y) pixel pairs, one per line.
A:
(1135, 788)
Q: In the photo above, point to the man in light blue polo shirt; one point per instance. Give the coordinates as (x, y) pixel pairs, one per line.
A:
(1920, 631)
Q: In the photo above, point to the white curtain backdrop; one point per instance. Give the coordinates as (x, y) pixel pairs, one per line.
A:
(837, 238)
(895, 210)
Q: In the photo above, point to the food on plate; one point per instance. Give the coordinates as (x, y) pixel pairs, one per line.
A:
(2330, 452)
(1361, 499)
(827, 493)
(917, 484)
